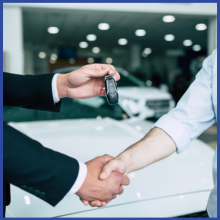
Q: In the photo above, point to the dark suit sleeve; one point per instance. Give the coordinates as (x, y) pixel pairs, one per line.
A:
(36, 169)
(33, 92)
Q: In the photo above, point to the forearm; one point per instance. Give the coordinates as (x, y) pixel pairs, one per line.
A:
(32, 92)
(155, 146)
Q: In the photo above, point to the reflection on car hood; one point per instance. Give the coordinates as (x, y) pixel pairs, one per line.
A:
(86, 139)
(149, 93)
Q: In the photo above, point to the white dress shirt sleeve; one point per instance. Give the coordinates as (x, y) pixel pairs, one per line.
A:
(80, 178)
(54, 89)
(194, 112)
(82, 167)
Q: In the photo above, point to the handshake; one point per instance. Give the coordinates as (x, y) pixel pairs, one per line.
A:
(102, 183)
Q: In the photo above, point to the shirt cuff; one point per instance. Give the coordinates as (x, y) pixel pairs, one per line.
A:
(54, 89)
(80, 178)
(175, 130)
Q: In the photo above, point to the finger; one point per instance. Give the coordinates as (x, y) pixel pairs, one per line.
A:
(110, 70)
(107, 158)
(104, 203)
(113, 165)
(95, 203)
(125, 180)
(116, 76)
(114, 196)
(107, 201)
(97, 72)
(121, 190)
(85, 202)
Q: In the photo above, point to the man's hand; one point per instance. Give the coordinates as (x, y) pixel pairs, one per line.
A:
(155, 146)
(102, 191)
(86, 82)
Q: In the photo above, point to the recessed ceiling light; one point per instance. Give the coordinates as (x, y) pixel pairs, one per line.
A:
(147, 51)
(72, 60)
(144, 54)
(187, 43)
(52, 61)
(201, 27)
(140, 32)
(168, 18)
(122, 41)
(91, 37)
(196, 47)
(53, 56)
(169, 37)
(109, 60)
(42, 55)
(90, 60)
(95, 49)
(83, 44)
(103, 26)
(53, 30)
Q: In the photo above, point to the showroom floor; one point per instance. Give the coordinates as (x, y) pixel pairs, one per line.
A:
(210, 136)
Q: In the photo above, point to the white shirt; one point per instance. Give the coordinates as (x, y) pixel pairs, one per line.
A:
(195, 112)
(82, 167)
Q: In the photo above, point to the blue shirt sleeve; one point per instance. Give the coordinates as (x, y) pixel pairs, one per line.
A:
(194, 112)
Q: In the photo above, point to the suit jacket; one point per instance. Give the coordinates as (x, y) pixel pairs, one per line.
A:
(26, 163)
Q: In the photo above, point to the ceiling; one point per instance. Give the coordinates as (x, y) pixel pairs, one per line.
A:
(75, 25)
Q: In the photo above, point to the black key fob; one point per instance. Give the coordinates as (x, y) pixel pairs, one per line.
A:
(111, 90)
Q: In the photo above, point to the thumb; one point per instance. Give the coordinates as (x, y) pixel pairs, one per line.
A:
(113, 165)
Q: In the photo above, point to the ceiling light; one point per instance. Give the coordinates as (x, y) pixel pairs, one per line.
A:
(196, 47)
(144, 54)
(90, 60)
(109, 60)
(147, 51)
(83, 44)
(52, 61)
(95, 49)
(42, 55)
(187, 43)
(91, 37)
(72, 60)
(169, 37)
(201, 27)
(103, 26)
(53, 30)
(122, 41)
(140, 32)
(168, 18)
(53, 56)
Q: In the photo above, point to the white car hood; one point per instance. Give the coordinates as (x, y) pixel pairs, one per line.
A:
(149, 93)
(186, 173)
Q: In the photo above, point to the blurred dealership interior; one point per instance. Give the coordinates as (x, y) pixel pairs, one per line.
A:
(161, 44)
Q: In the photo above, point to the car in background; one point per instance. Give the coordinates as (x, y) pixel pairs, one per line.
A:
(84, 129)
(135, 97)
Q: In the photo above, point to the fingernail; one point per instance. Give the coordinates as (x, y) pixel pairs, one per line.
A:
(103, 175)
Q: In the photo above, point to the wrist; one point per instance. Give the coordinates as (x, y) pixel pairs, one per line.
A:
(62, 85)
(123, 160)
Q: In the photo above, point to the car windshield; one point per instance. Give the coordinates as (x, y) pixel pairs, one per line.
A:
(97, 107)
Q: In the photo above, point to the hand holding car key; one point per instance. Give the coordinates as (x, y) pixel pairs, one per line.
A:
(111, 90)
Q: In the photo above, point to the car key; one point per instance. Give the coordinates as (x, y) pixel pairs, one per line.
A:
(111, 90)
